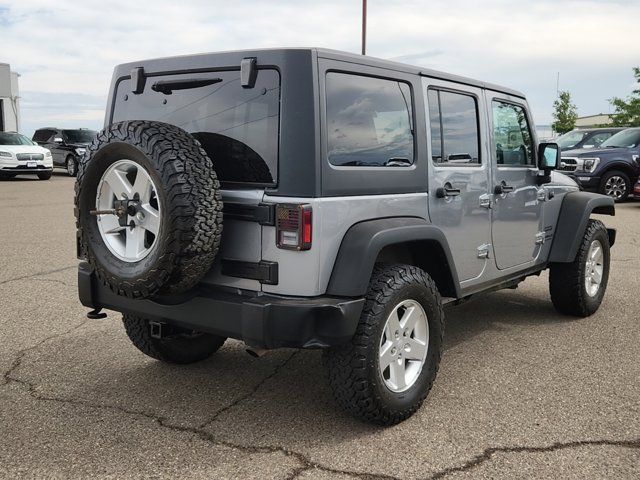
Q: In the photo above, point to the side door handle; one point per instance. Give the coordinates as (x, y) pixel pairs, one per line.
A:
(503, 188)
(447, 191)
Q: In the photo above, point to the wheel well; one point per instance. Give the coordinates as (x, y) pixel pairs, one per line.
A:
(425, 254)
(621, 167)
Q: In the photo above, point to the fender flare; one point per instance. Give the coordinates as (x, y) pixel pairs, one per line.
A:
(572, 221)
(365, 240)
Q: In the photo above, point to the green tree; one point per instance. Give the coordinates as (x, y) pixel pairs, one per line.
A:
(627, 112)
(565, 113)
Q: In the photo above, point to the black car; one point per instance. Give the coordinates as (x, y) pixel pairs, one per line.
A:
(612, 169)
(66, 145)
(586, 138)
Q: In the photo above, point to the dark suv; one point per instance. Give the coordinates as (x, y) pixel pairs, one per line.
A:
(66, 145)
(611, 169)
(586, 138)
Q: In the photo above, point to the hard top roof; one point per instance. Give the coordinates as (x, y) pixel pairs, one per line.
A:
(341, 56)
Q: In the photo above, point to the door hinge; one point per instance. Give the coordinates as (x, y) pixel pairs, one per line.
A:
(483, 250)
(540, 238)
(485, 200)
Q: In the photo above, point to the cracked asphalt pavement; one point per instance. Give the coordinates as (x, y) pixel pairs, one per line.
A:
(521, 392)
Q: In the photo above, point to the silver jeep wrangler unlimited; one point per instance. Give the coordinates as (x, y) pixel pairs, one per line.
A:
(309, 198)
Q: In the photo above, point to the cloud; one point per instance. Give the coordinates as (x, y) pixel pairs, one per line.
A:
(71, 46)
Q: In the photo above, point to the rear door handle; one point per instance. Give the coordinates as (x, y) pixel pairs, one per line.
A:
(447, 191)
(503, 188)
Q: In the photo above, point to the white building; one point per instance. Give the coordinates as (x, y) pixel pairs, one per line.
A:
(9, 100)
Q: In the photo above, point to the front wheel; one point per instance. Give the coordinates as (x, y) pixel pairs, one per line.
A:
(616, 185)
(578, 288)
(180, 346)
(385, 372)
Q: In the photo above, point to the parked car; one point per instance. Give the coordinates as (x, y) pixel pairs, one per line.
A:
(611, 169)
(339, 175)
(636, 189)
(586, 137)
(19, 155)
(66, 145)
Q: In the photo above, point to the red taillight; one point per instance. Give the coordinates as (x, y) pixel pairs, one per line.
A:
(293, 226)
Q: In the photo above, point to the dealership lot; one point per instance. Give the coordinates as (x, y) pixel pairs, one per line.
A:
(522, 391)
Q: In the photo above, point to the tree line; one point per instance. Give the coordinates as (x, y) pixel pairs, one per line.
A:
(626, 111)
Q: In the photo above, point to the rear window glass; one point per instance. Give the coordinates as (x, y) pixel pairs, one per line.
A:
(369, 121)
(237, 127)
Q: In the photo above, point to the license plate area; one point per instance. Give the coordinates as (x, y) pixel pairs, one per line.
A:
(32, 164)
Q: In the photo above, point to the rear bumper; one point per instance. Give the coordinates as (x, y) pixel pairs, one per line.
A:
(261, 321)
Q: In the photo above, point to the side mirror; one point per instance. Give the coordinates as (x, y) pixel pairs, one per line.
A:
(548, 156)
(58, 140)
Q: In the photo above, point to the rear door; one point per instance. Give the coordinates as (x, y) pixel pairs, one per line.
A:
(459, 201)
(517, 211)
(238, 127)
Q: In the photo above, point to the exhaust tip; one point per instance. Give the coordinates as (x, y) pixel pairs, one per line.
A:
(256, 352)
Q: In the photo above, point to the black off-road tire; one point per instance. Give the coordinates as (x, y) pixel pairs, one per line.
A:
(616, 173)
(181, 347)
(71, 161)
(45, 175)
(354, 372)
(567, 280)
(191, 215)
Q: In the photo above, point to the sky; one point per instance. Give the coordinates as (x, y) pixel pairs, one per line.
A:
(65, 50)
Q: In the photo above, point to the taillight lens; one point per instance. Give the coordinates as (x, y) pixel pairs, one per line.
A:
(294, 226)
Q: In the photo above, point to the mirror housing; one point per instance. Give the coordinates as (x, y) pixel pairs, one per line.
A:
(58, 140)
(548, 156)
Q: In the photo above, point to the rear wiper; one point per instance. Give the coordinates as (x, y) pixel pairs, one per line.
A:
(168, 86)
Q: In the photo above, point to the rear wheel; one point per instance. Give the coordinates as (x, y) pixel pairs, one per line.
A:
(71, 165)
(44, 175)
(179, 346)
(578, 288)
(384, 374)
(616, 185)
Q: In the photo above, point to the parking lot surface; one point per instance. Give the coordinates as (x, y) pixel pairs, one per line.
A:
(522, 391)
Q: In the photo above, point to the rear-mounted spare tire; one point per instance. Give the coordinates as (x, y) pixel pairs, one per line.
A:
(148, 209)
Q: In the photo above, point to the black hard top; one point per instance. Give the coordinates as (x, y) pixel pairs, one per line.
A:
(215, 57)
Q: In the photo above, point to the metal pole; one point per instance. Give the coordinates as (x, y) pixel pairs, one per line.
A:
(364, 27)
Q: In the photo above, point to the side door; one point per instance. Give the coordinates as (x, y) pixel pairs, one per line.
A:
(517, 210)
(459, 200)
(58, 149)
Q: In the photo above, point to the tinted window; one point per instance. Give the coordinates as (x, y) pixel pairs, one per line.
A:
(511, 134)
(454, 128)
(41, 135)
(79, 136)
(238, 127)
(369, 121)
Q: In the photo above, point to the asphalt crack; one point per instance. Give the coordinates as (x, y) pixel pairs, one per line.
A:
(488, 453)
(249, 394)
(305, 463)
(37, 274)
(17, 361)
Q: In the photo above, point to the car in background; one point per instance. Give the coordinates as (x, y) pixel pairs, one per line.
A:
(19, 155)
(636, 190)
(66, 145)
(586, 137)
(612, 169)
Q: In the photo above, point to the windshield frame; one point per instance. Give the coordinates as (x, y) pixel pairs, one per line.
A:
(621, 137)
(24, 140)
